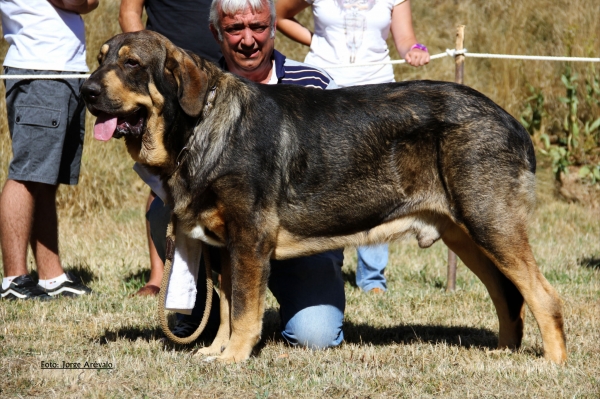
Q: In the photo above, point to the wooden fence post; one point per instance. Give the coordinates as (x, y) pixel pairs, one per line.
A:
(459, 61)
(451, 284)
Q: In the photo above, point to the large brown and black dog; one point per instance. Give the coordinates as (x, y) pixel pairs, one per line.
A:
(281, 171)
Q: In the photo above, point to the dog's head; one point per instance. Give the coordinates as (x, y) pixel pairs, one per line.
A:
(145, 88)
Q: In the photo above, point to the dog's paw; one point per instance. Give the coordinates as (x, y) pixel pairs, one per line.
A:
(209, 350)
(228, 359)
(220, 359)
(211, 356)
(231, 355)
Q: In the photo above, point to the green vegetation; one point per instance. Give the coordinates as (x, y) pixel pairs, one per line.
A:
(576, 141)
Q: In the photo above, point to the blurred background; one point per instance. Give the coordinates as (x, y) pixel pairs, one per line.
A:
(540, 93)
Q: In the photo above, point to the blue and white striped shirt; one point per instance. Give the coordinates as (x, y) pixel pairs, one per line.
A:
(297, 73)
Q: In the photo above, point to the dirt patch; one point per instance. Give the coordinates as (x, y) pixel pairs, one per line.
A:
(572, 188)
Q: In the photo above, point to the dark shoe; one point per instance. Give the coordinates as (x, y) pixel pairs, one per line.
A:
(185, 327)
(148, 290)
(73, 287)
(23, 287)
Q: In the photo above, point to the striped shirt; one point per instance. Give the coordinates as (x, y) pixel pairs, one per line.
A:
(297, 73)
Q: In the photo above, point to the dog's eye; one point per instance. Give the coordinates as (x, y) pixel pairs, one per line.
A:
(132, 63)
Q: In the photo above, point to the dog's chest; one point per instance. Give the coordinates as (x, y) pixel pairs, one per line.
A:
(200, 232)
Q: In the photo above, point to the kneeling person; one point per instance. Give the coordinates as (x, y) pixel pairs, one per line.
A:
(310, 290)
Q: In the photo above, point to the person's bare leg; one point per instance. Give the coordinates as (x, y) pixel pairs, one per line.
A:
(156, 264)
(44, 231)
(16, 219)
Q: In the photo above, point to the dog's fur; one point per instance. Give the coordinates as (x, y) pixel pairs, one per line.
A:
(282, 171)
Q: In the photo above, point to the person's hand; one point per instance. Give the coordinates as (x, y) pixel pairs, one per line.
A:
(417, 57)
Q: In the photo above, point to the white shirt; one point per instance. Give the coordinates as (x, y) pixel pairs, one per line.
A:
(43, 37)
(352, 31)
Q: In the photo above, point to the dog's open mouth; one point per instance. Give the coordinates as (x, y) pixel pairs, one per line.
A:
(108, 126)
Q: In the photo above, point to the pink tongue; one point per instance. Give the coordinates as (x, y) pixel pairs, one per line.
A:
(105, 127)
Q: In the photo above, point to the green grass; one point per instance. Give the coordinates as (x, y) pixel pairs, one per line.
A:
(415, 341)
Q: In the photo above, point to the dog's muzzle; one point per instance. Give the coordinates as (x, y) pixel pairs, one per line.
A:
(108, 124)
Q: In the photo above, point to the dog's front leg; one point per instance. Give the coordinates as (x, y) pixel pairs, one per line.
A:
(222, 339)
(249, 274)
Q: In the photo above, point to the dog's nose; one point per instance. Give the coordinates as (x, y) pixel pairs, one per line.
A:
(91, 90)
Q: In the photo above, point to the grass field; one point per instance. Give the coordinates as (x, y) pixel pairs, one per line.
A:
(415, 341)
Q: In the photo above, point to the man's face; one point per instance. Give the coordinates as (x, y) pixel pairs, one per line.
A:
(247, 43)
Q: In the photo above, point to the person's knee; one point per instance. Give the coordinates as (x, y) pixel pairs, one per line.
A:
(316, 327)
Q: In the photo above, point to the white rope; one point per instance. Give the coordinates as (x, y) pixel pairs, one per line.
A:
(359, 64)
(454, 53)
(448, 53)
(31, 77)
(530, 57)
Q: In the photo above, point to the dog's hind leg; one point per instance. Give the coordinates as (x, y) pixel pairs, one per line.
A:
(512, 256)
(521, 268)
(507, 299)
(222, 338)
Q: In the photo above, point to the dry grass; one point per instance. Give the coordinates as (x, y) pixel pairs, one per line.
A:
(416, 341)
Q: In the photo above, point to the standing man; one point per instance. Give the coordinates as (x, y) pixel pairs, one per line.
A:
(310, 290)
(185, 23)
(46, 120)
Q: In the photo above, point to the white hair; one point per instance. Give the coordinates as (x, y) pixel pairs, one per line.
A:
(231, 7)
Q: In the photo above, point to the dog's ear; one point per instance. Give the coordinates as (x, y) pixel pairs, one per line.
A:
(192, 81)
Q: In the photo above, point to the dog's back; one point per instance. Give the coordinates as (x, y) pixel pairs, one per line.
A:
(353, 158)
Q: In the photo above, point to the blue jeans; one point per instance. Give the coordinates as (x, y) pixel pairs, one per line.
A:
(372, 261)
(310, 290)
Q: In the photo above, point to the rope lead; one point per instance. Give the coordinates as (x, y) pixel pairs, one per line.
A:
(165, 282)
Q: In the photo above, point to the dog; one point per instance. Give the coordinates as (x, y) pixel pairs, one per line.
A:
(273, 172)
